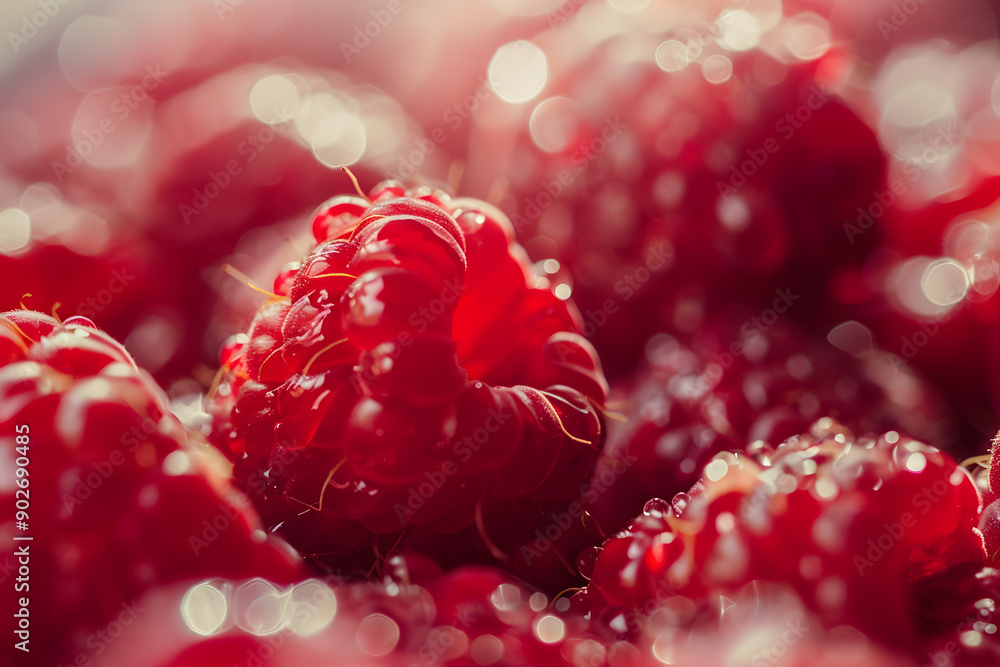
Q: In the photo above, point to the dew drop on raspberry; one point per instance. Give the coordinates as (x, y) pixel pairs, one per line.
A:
(232, 349)
(586, 561)
(387, 190)
(337, 217)
(680, 503)
(283, 283)
(79, 321)
(657, 507)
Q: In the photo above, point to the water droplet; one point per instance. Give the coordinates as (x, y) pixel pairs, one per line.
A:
(587, 560)
(657, 507)
(680, 503)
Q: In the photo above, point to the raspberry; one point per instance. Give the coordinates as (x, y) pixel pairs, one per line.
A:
(989, 520)
(411, 387)
(664, 196)
(736, 384)
(118, 501)
(868, 532)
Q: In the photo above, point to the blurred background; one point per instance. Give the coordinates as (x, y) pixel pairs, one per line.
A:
(666, 164)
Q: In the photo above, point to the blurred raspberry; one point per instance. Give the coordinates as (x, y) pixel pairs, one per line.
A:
(115, 499)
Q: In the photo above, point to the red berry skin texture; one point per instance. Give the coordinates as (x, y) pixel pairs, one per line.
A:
(115, 498)
(732, 385)
(867, 531)
(409, 387)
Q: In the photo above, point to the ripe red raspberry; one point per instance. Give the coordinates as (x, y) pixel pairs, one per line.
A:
(869, 532)
(738, 381)
(989, 521)
(412, 385)
(664, 196)
(114, 498)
